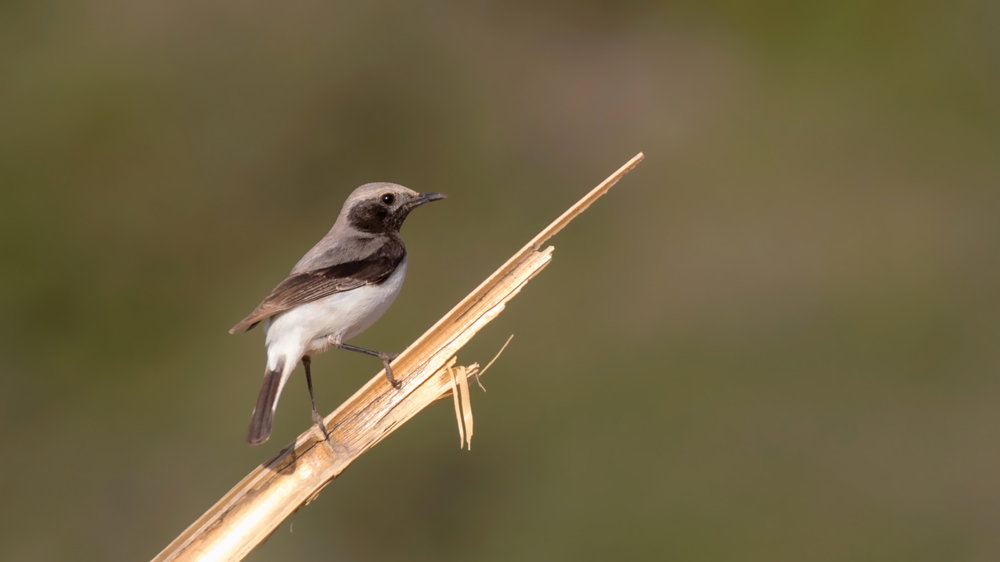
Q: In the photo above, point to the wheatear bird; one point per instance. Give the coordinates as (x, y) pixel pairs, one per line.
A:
(336, 291)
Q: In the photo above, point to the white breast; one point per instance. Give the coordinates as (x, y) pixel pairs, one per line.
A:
(305, 328)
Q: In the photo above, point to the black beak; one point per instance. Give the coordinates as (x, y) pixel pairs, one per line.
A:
(425, 198)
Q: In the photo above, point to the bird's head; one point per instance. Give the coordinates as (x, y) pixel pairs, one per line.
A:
(382, 207)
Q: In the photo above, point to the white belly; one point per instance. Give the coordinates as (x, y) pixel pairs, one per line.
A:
(306, 328)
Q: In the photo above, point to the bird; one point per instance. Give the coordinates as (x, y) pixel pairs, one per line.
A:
(337, 290)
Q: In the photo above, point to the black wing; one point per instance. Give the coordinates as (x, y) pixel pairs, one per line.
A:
(308, 286)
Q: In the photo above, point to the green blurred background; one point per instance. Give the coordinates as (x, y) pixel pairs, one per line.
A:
(777, 339)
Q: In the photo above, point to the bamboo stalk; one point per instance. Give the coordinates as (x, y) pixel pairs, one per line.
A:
(251, 511)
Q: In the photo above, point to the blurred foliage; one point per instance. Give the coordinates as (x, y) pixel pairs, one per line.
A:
(775, 340)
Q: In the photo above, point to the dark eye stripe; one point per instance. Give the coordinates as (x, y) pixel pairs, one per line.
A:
(368, 216)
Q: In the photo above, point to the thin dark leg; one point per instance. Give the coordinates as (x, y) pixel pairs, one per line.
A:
(385, 357)
(317, 419)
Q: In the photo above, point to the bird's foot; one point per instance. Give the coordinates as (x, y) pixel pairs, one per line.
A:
(318, 420)
(386, 359)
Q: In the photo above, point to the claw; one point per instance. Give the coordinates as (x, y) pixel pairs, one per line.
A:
(388, 371)
(318, 420)
(388, 375)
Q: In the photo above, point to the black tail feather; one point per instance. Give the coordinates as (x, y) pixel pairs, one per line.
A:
(263, 413)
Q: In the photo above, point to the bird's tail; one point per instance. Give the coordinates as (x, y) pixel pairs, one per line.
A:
(263, 412)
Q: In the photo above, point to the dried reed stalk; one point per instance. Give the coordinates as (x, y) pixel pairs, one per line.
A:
(255, 507)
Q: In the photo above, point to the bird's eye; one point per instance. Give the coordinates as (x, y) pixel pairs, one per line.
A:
(388, 198)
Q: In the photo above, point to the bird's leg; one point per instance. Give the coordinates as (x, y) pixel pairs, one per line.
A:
(385, 357)
(317, 419)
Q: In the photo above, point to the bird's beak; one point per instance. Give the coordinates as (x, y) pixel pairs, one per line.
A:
(425, 198)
